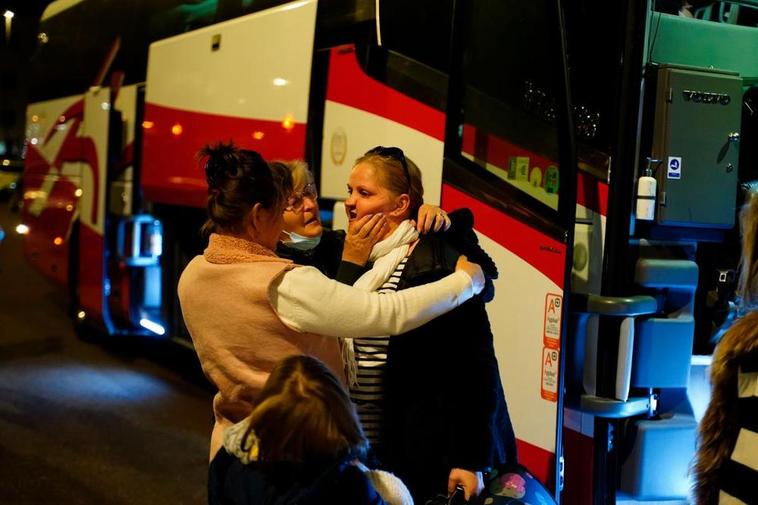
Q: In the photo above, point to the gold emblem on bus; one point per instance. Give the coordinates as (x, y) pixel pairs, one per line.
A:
(338, 146)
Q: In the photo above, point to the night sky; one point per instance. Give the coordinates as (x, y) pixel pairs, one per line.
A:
(16, 48)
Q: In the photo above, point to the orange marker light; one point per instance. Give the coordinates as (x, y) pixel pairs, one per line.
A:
(258, 135)
(288, 123)
(177, 129)
(58, 240)
(147, 124)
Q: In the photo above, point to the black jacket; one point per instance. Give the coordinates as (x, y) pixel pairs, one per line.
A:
(445, 407)
(230, 482)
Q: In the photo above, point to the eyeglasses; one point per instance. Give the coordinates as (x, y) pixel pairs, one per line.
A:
(296, 201)
(396, 154)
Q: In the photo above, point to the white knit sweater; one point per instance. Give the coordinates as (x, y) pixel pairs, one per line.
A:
(307, 301)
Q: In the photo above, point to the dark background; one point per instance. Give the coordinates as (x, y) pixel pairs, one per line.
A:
(15, 52)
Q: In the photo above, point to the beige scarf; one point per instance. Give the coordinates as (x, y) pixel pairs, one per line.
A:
(386, 256)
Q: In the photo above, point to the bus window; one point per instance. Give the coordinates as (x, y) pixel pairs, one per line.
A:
(416, 65)
(509, 102)
(182, 16)
(419, 30)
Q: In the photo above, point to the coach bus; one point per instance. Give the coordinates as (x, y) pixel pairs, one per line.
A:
(547, 119)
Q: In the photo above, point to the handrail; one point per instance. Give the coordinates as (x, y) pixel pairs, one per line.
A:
(615, 409)
(619, 306)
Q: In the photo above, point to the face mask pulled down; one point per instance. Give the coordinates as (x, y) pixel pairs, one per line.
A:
(300, 242)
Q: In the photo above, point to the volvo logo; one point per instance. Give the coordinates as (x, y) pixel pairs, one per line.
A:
(706, 97)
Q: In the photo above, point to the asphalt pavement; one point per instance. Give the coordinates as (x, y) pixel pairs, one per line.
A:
(106, 422)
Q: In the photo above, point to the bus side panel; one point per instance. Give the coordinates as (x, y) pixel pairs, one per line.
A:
(531, 276)
(245, 80)
(48, 211)
(361, 113)
(355, 120)
(65, 174)
(92, 289)
(496, 155)
(52, 174)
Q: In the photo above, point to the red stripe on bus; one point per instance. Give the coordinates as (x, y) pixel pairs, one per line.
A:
(538, 461)
(602, 191)
(91, 294)
(539, 250)
(578, 450)
(35, 163)
(42, 246)
(349, 85)
(172, 137)
(75, 113)
(72, 149)
(592, 193)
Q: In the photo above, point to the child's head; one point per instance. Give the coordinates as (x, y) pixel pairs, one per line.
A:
(304, 414)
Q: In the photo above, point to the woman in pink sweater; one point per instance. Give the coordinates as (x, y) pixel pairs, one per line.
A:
(246, 308)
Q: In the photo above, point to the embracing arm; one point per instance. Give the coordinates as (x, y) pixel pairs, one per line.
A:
(307, 301)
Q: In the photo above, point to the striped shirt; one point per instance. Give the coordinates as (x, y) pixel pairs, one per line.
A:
(371, 360)
(740, 473)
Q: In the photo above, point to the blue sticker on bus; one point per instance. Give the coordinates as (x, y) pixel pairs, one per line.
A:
(674, 168)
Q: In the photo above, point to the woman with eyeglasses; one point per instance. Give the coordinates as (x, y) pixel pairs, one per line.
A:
(339, 254)
(430, 400)
(246, 308)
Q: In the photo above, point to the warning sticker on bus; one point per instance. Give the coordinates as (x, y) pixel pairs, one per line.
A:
(552, 328)
(549, 389)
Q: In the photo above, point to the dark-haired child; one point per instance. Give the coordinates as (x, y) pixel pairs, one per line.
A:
(301, 444)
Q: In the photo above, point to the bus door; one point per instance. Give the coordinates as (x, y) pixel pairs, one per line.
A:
(670, 114)
(93, 291)
(509, 158)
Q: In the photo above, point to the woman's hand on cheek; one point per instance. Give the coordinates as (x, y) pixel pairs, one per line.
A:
(431, 217)
(361, 237)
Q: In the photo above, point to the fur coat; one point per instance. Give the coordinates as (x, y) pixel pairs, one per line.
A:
(721, 425)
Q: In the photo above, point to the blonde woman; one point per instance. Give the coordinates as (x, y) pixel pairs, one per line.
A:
(430, 400)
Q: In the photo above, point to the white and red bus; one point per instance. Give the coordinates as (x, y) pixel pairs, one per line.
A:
(538, 116)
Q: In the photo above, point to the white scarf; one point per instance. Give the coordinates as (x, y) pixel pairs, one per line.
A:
(386, 256)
